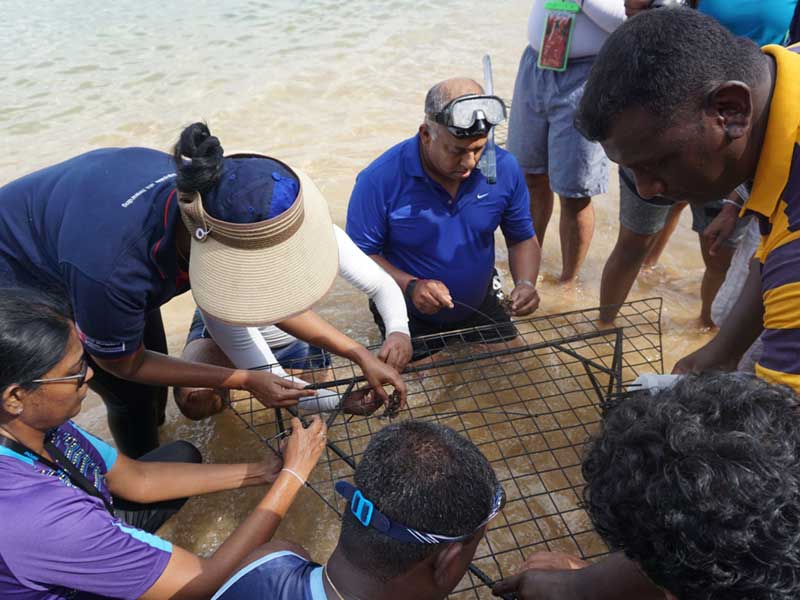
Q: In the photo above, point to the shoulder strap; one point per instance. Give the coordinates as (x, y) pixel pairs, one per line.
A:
(61, 464)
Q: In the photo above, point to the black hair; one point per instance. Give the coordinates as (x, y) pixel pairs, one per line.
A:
(700, 484)
(665, 61)
(34, 331)
(424, 476)
(198, 159)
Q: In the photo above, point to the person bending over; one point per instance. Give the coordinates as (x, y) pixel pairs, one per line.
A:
(426, 214)
(422, 498)
(77, 516)
(270, 348)
(694, 112)
(124, 230)
(698, 489)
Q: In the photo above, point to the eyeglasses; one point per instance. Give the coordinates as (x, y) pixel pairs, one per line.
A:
(79, 377)
(369, 516)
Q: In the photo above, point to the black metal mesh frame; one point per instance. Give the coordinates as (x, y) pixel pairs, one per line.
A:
(529, 405)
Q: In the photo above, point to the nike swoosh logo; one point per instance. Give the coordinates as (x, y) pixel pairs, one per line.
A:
(483, 195)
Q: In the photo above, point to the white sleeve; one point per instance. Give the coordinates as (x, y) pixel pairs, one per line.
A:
(606, 14)
(366, 275)
(246, 348)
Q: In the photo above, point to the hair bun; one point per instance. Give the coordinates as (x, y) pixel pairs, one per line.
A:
(198, 158)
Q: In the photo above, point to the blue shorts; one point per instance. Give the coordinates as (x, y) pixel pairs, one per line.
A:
(646, 218)
(298, 355)
(541, 134)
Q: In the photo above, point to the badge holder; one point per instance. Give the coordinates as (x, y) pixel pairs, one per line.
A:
(560, 17)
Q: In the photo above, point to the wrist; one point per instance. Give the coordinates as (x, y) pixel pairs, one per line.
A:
(358, 354)
(295, 473)
(239, 379)
(257, 474)
(408, 292)
(398, 329)
(731, 206)
(527, 282)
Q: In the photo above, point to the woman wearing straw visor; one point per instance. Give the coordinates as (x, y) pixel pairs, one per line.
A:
(120, 231)
(78, 518)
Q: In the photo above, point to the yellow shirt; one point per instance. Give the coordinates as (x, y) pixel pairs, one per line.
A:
(775, 200)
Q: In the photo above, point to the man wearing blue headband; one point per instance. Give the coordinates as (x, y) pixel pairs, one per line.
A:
(420, 500)
(426, 213)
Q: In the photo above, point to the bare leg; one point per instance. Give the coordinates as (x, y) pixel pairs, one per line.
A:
(576, 228)
(662, 237)
(541, 203)
(716, 268)
(621, 269)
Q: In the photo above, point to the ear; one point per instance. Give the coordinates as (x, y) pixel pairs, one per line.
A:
(425, 133)
(449, 565)
(731, 104)
(12, 400)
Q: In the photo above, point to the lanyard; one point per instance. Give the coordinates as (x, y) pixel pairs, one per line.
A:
(62, 464)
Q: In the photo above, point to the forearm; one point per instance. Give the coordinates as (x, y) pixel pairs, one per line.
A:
(400, 277)
(154, 368)
(617, 578)
(189, 577)
(524, 259)
(745, 321)
(147, 482)
(315, 330)
(260, 525)
(365, 274)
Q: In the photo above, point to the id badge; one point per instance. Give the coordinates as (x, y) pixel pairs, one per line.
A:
(560, 16)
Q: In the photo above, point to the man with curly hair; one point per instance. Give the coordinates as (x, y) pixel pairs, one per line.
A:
(698, 488)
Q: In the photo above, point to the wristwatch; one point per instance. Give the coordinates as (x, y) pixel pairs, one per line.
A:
(409, 291)
(525, 282)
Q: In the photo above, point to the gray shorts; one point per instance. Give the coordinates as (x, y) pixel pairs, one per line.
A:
(541, 134)
(646, 218)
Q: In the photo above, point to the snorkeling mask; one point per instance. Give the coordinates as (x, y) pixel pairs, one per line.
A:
(471, 115)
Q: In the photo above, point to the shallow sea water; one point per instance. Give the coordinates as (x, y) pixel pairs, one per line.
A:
(324, 85)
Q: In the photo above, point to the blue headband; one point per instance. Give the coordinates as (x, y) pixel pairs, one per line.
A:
(369, 516)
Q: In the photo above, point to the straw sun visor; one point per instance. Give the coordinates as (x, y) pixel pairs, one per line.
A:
(262, 273)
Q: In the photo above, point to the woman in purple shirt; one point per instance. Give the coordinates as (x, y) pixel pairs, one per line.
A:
(66, 530)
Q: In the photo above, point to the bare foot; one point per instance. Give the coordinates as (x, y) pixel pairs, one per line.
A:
(200, 403)
(706, 323)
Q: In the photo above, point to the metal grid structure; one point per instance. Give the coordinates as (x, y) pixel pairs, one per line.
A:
(529, 406)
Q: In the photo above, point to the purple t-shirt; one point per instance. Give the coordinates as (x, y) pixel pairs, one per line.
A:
(57, 541)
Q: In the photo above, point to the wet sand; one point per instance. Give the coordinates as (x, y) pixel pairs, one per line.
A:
(205, 522)
(325, 86)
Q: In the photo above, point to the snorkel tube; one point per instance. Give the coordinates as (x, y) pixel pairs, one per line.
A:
(488, 162)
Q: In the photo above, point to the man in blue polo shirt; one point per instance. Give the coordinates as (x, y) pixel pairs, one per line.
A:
(427, 215)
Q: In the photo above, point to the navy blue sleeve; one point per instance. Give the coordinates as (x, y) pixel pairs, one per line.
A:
(367, 222)
(517, 223)
(109, 324)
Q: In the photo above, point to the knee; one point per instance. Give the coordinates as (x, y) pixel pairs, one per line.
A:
(573, 206)
(536, 180)
(632, 248)
(186, 452)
